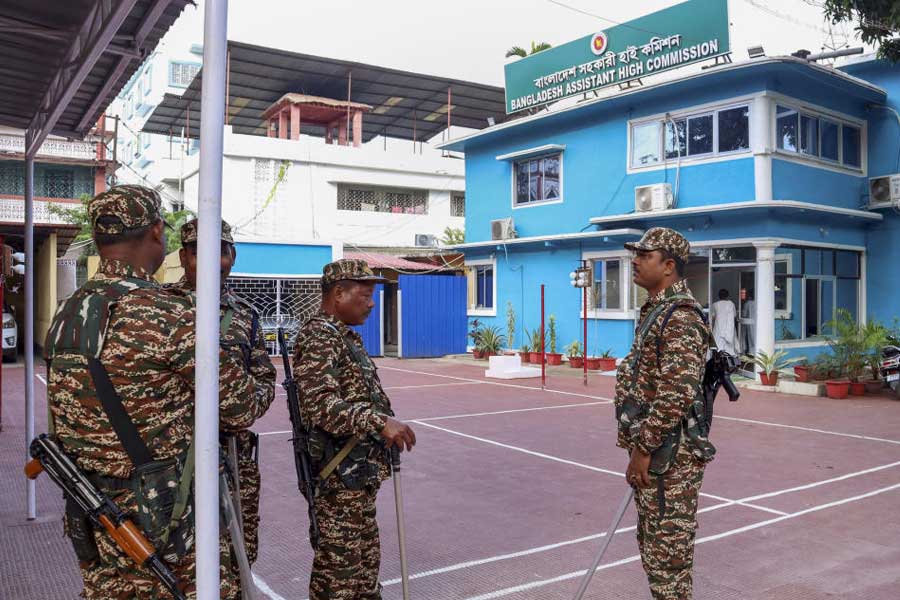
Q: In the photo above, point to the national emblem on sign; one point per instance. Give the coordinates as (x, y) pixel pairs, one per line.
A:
(599, 43)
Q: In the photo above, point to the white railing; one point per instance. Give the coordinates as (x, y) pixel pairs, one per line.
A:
(62, 148)
(12, 210)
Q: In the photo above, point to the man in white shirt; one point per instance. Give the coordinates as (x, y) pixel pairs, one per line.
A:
(724, 317)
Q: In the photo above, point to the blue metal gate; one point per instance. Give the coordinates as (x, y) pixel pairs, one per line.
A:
(372, 331)
(432, 315)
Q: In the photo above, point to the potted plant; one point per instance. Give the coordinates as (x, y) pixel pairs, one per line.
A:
(607, 360)
(875, 337)
(802, 371)
(837, 388)
(771, 364)
(822, 367)
(491, 341)
(848, 342)
(593, 362)
(553, 357)
(535, 354)
(510, 324)
(475, 334)
(575, 354)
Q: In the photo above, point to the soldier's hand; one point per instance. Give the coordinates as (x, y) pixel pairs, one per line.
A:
(637, 474)
(398, 433)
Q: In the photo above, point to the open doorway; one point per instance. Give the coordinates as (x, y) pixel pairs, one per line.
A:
(733, 311)
(391, 319)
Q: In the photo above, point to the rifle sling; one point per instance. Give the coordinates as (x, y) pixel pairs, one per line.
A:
(122, 424)
(341, 455)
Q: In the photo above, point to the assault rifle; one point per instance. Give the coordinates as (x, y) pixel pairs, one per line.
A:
(300, 439)
(100, 510)
(716, 376)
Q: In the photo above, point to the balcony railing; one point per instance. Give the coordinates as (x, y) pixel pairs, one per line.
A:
(60, 148)
(12, 210)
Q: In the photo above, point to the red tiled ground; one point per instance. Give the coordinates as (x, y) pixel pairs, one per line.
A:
(801, 503)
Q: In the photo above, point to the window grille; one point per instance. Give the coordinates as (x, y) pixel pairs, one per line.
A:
(181, 74)
(389, 200)
(48, 183)
(458, 205)
(285, 302)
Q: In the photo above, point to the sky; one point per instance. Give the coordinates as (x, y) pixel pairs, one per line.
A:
(467, 39)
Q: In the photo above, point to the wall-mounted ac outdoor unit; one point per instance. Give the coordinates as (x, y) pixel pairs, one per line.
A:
(424, 240)
(657, 196)
(502, 229)
(884, 191)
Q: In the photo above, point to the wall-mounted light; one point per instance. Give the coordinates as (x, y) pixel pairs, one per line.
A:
(756, 52)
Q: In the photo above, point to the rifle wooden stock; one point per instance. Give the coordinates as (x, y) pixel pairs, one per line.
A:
(33, 468)
(129, 539)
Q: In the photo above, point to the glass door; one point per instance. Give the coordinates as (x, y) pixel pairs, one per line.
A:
(733, 311)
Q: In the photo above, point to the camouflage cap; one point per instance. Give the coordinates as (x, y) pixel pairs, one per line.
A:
(663, 238)
(349, 269)
(132, 206)
(189, 232)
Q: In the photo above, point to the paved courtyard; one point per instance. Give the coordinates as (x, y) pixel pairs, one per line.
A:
(510, 489)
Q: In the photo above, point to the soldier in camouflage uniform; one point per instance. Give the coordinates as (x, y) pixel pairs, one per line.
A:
(142, 336)
(245, 333)
(655, 391)
(341, 400)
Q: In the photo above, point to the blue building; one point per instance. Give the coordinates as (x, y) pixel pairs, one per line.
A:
(765, 166)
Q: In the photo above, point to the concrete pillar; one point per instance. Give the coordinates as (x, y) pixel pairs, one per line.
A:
(45, 289)
(99, 180)
(765, 296)
(283, 124)
(342, 132)
(357, 128)
(65, 278)
(761, 144)
(329, 133)
(270, 128)
(295, 122)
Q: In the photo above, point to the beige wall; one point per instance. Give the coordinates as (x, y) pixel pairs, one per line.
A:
(44, 289)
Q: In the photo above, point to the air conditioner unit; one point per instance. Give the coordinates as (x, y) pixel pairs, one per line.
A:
(657, 196)
(502, 229)
(884, 191)
(425, 240)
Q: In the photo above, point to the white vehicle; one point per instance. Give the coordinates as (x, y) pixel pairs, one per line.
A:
(10, 334)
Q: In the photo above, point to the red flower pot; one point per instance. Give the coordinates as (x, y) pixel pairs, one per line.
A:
(857, 388)
(525, 356)
(770, 379)
(801, 373)
(534, 357)
(837, 389)
(576, 362)
(478, 354)
(593, 363)
(874, 387)
(607, 364)
(554, 358)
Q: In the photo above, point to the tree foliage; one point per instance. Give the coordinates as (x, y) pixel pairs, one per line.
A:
(877, 21)
(453, 236)
(520, 51)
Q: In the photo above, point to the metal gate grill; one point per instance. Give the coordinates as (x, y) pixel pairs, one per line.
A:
(285, 302)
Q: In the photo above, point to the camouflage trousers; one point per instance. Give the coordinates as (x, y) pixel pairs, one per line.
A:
(346, 564)
(114, 576)
(248, 475)
(667, 543)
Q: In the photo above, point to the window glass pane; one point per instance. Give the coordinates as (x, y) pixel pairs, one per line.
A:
(612, 294)
(485, 282)
(551, 177)
(645, 144)
(786, 128)
(848, 297)
(809, 135)
(521, 182)
(534, 180)
(697, 276)
(700, 135)
(829, 139)
(739, 254)
(812, 262)
(734, 129)
(827, 306)
(827, 262)
(851, 146)
(673, 149)
(847, 264)
(789, 319)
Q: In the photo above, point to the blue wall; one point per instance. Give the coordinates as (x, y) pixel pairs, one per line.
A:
(807, 183)
(280, 259)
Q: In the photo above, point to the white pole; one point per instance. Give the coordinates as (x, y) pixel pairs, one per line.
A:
(765, 296)
(206, 414)
(30, 264)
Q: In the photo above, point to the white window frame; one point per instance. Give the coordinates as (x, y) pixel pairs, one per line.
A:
(513, 164)
(787, 313)
(819, 112)
(687, 113)
(624, 313)
(483, 312)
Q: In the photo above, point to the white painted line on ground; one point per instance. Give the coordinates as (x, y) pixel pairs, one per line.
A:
(511, 385)
(41, 379)
(718, 536)
(742, 502)
(824, 482)
(263, 587)
(514, 410)
(491, 559)
(275, 432)
(810, 429)
(431, 385)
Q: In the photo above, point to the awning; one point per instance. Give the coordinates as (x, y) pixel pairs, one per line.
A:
(552, 240)
(394, 263)
(405, 105)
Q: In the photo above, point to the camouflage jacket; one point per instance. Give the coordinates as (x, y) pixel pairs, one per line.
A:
(665, 384)
(147, 348)
(333, 389)
(256, 357)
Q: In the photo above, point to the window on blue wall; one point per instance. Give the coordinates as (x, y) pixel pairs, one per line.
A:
(538, 179)
(786, 128)
(484, 282)
(829, 133)
(809, 135)
(676, 139)
(182, 73)
(852, 146)
(607, 292)
(734, 129)
(645, 144)
(700, 135)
